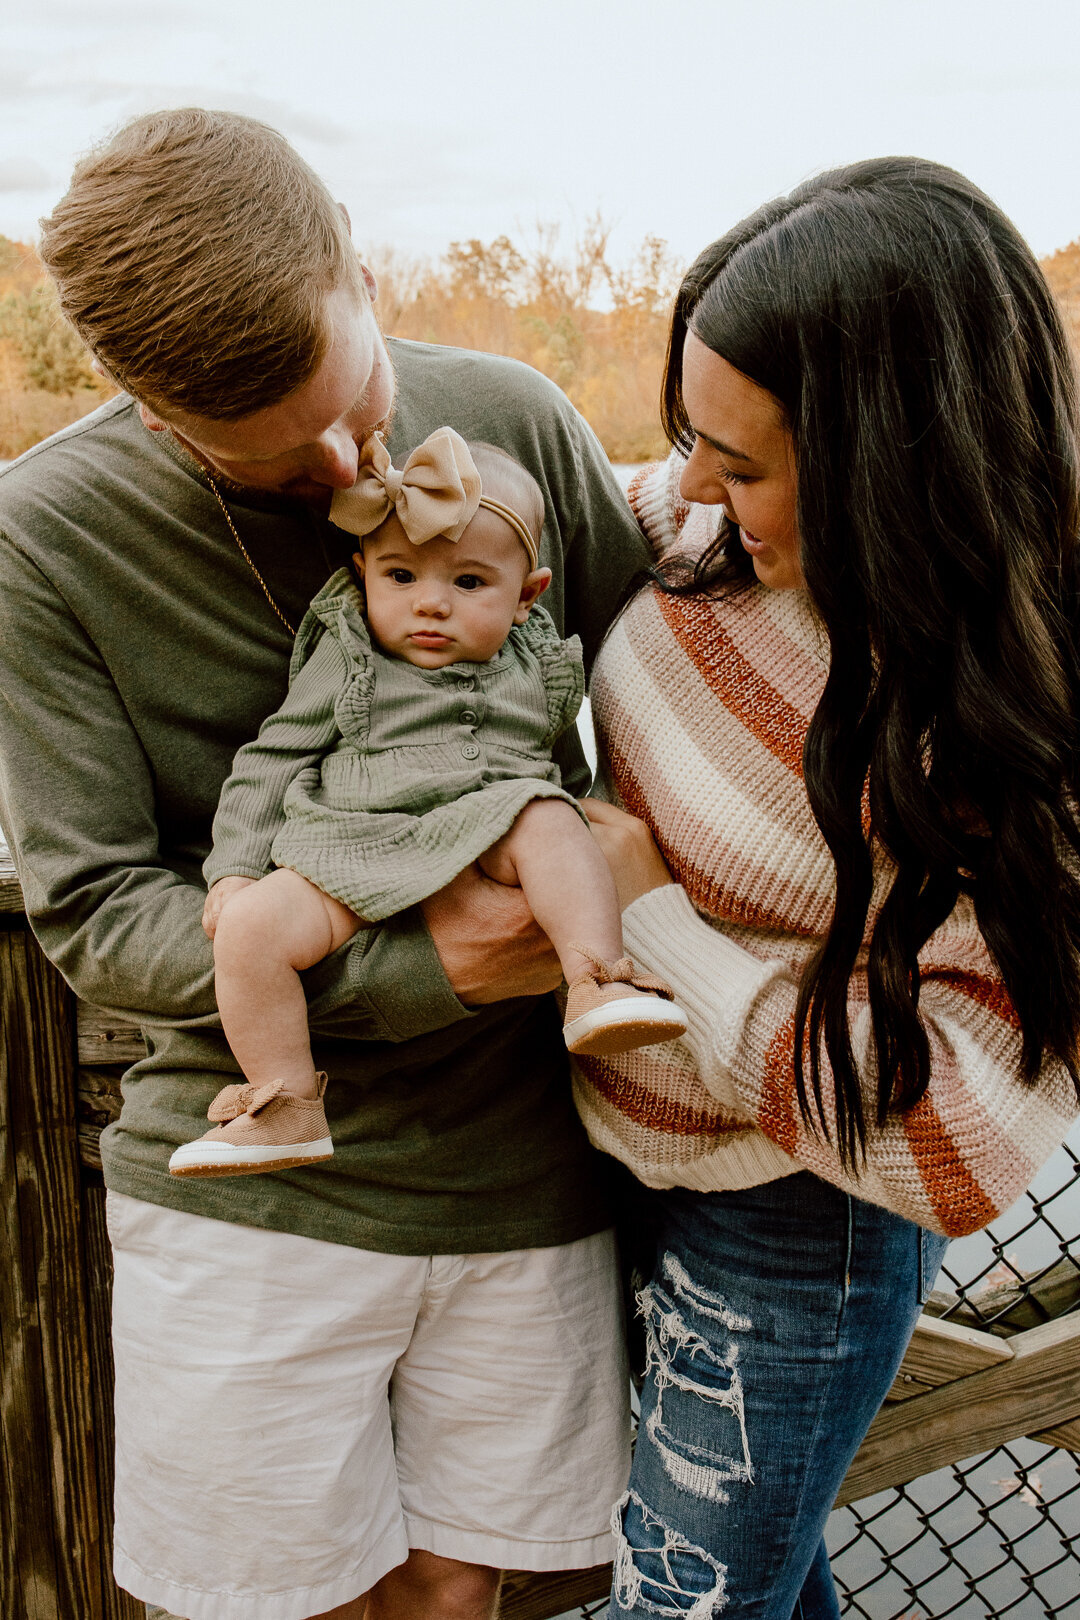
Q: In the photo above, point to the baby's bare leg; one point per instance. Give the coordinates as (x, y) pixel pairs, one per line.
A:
(554, 857)
(266, 934)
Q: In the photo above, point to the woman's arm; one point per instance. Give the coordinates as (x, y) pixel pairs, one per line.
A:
(953, 1162)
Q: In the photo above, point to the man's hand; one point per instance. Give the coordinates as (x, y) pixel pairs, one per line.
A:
(223, 890)
(490, 945)
(636, 863)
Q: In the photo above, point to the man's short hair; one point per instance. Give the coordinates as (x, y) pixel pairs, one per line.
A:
(194, 253)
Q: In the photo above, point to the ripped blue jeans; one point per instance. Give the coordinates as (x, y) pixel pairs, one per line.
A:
(775, 1320)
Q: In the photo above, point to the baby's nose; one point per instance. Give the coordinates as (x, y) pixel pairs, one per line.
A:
(432, 599)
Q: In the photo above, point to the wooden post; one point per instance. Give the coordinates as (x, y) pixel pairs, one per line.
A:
(53, 1565)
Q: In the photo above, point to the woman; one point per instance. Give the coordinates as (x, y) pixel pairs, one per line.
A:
(848, 712)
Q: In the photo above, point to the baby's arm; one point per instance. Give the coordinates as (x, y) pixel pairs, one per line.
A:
(296, 735)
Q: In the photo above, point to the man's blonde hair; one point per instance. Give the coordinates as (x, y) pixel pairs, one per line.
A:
(194, 253)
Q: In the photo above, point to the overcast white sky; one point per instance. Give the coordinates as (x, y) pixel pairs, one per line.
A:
(441, 119)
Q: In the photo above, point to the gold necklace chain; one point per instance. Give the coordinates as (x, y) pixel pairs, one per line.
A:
(245, 554)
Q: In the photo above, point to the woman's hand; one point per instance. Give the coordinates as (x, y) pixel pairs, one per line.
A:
(636, 863)
(223, 890)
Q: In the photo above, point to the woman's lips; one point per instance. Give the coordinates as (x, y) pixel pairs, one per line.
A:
(751, 542)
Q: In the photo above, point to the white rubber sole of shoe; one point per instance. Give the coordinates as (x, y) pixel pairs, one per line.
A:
(229, 1159)
(621, 1026)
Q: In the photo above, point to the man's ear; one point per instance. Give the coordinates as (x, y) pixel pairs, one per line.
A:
(151, 420)
(533, 588)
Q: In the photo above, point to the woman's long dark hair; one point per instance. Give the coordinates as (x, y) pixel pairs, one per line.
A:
(915, 349)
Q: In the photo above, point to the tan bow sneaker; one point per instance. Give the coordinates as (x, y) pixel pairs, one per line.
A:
(614, 1009)
(259, 1129)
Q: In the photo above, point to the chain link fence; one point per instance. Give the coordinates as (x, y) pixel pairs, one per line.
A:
(997, 1536)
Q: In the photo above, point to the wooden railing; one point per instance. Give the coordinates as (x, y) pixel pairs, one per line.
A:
(961, 1390)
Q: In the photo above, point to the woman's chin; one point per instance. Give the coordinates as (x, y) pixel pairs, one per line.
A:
(777, 572)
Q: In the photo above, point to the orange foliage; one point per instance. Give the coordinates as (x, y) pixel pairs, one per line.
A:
(1062, 271)
(597, 329)
(45, 378)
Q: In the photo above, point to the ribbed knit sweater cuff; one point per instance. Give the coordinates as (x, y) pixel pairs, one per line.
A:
(714, 980)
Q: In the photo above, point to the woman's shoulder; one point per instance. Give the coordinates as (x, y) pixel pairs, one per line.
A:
(751, 640)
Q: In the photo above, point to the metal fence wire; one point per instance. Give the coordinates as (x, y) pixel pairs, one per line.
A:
(997, 1536)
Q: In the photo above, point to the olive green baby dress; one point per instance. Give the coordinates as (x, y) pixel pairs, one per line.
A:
(380, 781)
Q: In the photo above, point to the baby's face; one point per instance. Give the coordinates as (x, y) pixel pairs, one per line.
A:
(448, 602)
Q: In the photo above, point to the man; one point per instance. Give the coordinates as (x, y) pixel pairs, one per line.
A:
(386, 1377)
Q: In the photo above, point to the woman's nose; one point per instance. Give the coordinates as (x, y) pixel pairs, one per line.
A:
(699, 482)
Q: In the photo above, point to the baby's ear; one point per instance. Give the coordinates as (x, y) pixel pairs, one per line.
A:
(358, 563)
(533, 588)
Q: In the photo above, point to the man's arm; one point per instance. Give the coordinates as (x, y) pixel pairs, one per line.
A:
(77, 802)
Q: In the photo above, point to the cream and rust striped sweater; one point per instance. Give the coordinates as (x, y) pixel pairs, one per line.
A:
(701, 709)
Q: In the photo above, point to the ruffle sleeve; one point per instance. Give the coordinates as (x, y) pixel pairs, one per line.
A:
(560, 665)
(339, 609)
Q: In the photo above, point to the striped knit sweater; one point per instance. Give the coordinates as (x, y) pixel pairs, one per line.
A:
(701, 709)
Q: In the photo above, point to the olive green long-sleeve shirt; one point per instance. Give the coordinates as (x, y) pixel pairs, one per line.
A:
(137, 653)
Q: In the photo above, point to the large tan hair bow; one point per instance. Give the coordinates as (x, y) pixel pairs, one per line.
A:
(437, 492)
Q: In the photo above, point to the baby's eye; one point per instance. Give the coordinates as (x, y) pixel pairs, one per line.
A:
(402, 576)
(468, 582)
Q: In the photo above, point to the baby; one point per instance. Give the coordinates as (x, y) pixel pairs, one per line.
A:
(415, 739)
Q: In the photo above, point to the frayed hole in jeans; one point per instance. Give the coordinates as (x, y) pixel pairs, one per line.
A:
(679, 1358)
(658, 1570)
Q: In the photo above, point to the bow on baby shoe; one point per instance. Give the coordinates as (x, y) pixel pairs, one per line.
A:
(437, 492)
(233, 1101)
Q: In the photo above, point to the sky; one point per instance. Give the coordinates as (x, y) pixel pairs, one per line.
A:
(441, 120)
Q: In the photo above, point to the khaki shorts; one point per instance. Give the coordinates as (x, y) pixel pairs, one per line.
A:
(292, 1416)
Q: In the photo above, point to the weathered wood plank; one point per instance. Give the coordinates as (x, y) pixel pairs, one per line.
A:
(940, 1352)
(524, 1596)
(104, 1038)
(51, 1557)
(1065, 1435)
(1015, 1307)
(89, 1145)
(11, 899)
(1036, 1388)
(97, 1104)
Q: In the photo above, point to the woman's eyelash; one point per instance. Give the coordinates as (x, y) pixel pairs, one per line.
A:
(730, 477)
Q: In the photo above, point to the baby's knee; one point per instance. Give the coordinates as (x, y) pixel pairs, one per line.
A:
(539, 830)
(246, 920)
